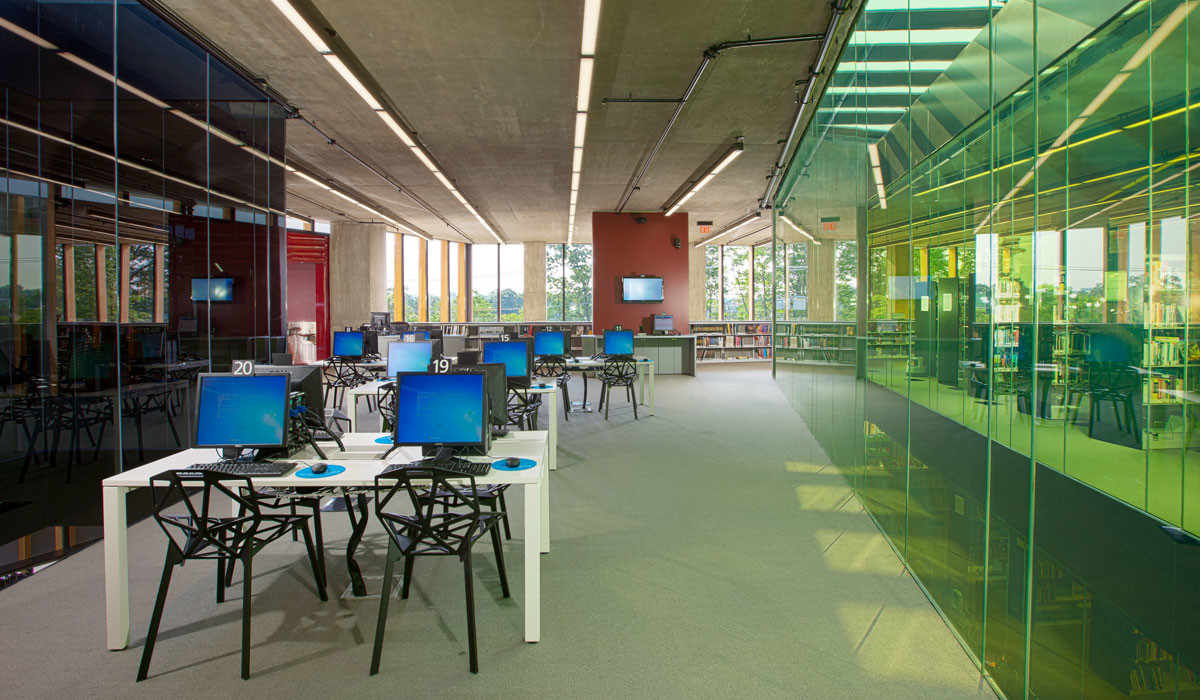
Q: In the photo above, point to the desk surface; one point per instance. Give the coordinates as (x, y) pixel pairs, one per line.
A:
(359, 472)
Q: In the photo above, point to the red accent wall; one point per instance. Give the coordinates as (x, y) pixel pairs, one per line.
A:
(622, 247)
(308, 284)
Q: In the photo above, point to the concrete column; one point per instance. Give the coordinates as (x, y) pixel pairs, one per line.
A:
(697, 286)
(821, 260)
(535, 281)
(357, 273)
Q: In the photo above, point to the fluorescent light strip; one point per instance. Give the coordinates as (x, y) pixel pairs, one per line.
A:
(587, 61)
(799, 230)
(749, 218)
(580, 128)
(891, 66)
(906, 5)
(396, 128)
(734, 151)
(905, 37)
(26, 34)
(577, 161)
(586, 65)
(298, 22)
(876, 89)
(591, 27)
(353, 81)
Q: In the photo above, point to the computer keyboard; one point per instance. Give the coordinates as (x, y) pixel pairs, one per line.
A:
(247, 468)
(462, 466)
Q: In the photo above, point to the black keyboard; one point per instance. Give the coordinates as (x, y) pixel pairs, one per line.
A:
(461, 466)
(247, 468)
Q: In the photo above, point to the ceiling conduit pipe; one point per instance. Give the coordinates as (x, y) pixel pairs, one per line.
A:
(709, 54)
(839, 10)
(383, 176)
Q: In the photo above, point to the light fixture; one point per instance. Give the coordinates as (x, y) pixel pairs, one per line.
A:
(799, 230)
(726, 158)
(873, 151)
(302, 26)
(747, 219)
(587, 64)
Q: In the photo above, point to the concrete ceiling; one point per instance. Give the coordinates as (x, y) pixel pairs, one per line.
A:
(489, 88)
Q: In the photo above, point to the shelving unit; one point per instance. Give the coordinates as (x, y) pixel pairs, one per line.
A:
(1166, 353)
(475, 333)
(889, 340)
(815, 343)
(720, 341)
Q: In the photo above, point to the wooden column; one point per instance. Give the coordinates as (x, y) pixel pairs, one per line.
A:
(422, 280)
(160, 281)
(68, 285)
(464, 284)
(123, 288)
(444, 301)
(398, 278)
(101, 283)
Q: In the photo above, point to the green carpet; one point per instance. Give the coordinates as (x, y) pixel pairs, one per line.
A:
(706, 552)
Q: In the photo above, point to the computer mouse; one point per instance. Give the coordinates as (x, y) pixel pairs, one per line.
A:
(319, 468)
(513, 461)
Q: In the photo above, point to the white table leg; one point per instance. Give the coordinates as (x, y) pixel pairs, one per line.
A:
(353, 402)
(544, 497)
(553, 428)
(116, 567)
(642, 367)
(651, 388)
(533, 564)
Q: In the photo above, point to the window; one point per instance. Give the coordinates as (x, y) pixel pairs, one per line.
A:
(736, 275)
(141, 282)
(797, 280)
(434, 266)
(568, 282)
(512, 282)
(86, 308)
(763, 296)
(455, 276)
(484, 282)
(846, 278)
(712, 282)
(412, 262)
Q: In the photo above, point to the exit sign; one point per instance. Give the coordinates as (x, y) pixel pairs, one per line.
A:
(704, 226)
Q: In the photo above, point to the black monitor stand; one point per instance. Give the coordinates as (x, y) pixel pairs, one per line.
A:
(231, 454)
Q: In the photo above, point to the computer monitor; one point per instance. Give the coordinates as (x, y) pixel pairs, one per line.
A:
(664, 323)
(381, 319)
(551, 343)
(347, 344)
(618, 342)
(305, 379)
(242, 411)
(517, 356)
(436, 411)
(409, 357)
(152, 345)
(281, 358)
(415, 335)
(370, 341)
(497, 389)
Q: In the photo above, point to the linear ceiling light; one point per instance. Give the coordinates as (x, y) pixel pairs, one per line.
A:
(873, 151)
(799, 230)
(587, 64)
(373, 102)
(747, 219)
(726, 158)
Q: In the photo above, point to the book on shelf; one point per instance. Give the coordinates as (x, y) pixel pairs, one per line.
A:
(1165, 350)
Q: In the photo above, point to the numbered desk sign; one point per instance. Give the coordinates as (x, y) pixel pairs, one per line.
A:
(441, 365)
(243, 368)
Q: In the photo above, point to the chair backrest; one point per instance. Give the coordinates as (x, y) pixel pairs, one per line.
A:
(620, 368)
(445, 518)
(550, 367)
(199, 534)
(340, 372)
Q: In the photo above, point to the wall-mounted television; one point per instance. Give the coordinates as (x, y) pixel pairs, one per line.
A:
(214, 289)
(642, 290)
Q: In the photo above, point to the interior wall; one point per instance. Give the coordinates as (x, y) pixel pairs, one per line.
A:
(623, 247)
(357, 273)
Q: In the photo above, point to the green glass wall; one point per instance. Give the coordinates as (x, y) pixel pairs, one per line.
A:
(1005, 365)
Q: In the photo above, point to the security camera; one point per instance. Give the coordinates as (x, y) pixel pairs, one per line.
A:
(640, 219)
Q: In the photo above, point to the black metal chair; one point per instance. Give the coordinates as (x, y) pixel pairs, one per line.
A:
(447, 520)
(341, 375)
(523, 409)
(198, 534)
(1115, 383)
(556, 368)
(618, 372)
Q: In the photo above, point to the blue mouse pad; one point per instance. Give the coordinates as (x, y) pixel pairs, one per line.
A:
(385, 440)
(501, 465)
(330, 470)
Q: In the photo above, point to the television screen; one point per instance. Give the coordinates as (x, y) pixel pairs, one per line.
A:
(641, 289)
(212, 289)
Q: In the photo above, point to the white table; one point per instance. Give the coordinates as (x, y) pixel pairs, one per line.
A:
(359, 473)
(645, 367)
(550, 390)
(353, 394)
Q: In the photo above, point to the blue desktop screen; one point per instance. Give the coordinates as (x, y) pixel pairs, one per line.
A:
(548, 343)
(409, 357)
(248, 411)
(214, 289)
(618, 342)
(514, 355)
(348, 343)
(440, 409)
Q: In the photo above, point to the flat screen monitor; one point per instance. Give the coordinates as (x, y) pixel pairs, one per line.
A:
(348, 343)
(305, 379)
(415, 335)
(641, 290)
(618, 342)
(435, 410)
(381, 319)
(516, 355)
(664, 323)
(242, 411)
(550, 343)
(214, 289)
(370, 342)
(409, 357)
(497, 389)
(152, 345)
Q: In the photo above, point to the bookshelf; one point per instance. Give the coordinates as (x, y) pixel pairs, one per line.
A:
(815, 343)
(1166, 352)
(732, 341)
